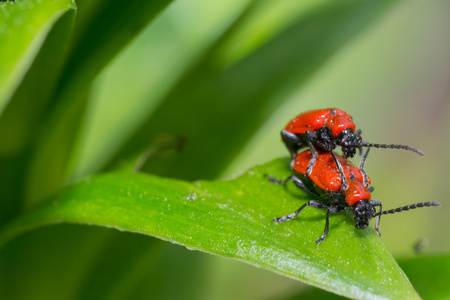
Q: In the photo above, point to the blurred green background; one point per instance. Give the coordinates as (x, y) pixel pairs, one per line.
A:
(393, 77)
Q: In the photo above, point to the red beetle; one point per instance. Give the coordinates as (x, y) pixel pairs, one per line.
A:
(326, 129)
(338, 189)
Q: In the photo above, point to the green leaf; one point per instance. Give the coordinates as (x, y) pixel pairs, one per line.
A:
(47, 255)
(16, 123)
(314, 294)
(102, 29)
(58, 82)
(28, 99)
(233, 219)
(121, 276)
(429, 275)
(24, 27)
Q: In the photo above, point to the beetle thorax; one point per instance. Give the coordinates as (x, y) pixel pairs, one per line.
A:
(325, 139)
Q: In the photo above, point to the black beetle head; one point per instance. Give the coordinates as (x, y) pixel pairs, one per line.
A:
(349, 141)
(363, 211)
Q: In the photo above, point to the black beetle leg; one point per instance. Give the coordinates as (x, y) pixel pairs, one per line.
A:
(341, 171)
(361, 168)
(301, 185)
(330, 210)
(297, 181)
(312, 203)
(292, 143)
(377, 222)
(312, 162)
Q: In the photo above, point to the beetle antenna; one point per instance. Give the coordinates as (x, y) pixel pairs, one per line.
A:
(392, 146)
(407, 207)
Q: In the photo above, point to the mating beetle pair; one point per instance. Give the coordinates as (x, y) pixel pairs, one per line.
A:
(322, 173)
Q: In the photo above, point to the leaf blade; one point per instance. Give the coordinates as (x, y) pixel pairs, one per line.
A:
(18, 122)
(25, 25)
(233, 219)
(429, 275)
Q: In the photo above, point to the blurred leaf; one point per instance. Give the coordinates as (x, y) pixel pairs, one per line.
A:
(24, 28)
(217, 107)
(51, 122)
(88, 262)
(50, 263)
(102, 29)
(314, 294)
(429, 275)
(50, 156)
(176, 267)
(29, 98)
(38, 130)
(33, 91)
(232, 219)
(110, 269)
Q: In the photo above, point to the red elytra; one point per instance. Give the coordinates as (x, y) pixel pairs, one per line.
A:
(326, 175)
(335, 119)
